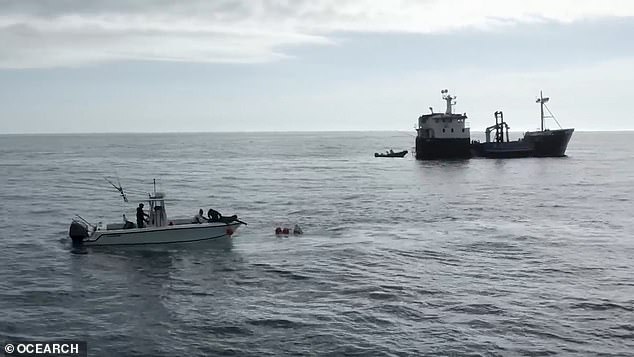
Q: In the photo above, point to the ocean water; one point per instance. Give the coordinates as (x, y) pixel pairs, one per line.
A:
(481, 257)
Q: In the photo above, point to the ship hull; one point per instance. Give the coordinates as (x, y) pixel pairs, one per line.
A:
(549, 143)
(433, 149)
(504, 150)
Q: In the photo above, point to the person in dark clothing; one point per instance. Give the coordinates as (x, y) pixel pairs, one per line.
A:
(214, 216)
(140, 216)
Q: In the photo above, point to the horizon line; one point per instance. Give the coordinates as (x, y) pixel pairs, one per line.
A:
(264, 131)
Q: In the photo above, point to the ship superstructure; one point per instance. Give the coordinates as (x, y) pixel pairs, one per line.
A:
(443, 135)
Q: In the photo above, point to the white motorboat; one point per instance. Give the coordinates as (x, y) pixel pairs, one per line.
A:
(159, 229)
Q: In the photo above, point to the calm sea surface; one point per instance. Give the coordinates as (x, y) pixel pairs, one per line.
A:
(400, 257)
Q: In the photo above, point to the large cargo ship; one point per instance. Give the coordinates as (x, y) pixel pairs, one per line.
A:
(542, 143)
(443, 135)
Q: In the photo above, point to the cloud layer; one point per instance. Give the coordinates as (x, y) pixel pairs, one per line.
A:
(51, 33)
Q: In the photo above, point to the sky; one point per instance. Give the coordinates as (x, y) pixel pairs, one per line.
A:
(77, 66)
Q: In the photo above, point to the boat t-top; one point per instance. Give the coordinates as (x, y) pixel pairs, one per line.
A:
(159, 229)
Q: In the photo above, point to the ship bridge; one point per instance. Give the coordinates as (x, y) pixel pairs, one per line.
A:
(445, 125)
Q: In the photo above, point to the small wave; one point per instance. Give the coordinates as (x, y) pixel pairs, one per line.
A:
(226, 330)
(378, 295)
(428, 292)
(480, 324)
(425, 254)
(406, 312)
(478, 309)
(365, 318)
(540, 332)
(276, 323)
(531, 353)
(601, 307)
(392, 287)
(285, 273)
(626, 327)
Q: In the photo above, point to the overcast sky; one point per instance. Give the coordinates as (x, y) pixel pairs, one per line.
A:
(267, 65)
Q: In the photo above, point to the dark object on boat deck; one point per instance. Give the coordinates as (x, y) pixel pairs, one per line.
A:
(391, 154)
(78, 232)
(230, 219)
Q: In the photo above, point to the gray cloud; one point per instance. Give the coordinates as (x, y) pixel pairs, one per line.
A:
(52, 33)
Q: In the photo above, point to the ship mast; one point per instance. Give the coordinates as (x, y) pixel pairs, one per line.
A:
(542, 101)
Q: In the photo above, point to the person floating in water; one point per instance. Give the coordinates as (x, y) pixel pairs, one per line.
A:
(140, 216)
(297, 230)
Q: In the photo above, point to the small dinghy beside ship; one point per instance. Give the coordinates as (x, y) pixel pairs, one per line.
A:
(159, 230)
(391, 153)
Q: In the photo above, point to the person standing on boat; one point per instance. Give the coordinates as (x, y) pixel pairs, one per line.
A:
(140, 216)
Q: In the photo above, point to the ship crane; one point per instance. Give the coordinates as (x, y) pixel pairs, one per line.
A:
(499, 127)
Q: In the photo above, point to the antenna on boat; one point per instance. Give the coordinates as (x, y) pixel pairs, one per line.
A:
(118, 188)
(449, 99)
(542, 101)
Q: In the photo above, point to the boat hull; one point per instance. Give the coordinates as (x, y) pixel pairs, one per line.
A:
(504, 150)
(433, 148)
(549, 143)
(186, 233)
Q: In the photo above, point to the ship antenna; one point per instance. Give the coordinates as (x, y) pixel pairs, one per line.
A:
(542, 102)
(449, 99)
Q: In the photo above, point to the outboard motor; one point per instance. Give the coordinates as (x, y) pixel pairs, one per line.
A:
(78, 232)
